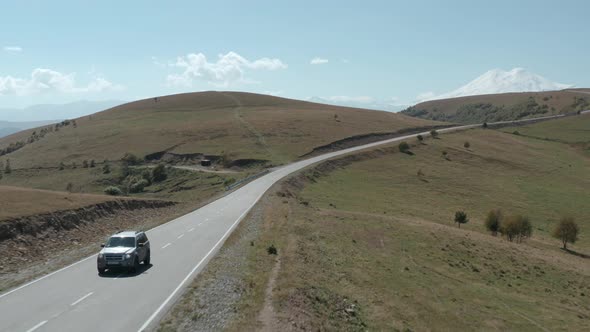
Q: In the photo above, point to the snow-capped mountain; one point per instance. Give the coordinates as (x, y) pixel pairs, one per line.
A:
(500, 81)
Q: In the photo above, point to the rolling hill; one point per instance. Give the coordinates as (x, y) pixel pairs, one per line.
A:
(501, 107)
(233, 126)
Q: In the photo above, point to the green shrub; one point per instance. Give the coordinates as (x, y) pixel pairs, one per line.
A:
(147, 175)
(272, 250)
(404, 147)
(106, 169)
(229, 181)
(138, 186)
(85, 164)
(113, 191)
(420, 138)
(466, 145)
(92, 163)
(159, 173)
(434, 133)
(493, 221)
(130, 159)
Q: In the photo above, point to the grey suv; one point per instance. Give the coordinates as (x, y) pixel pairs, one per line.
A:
(124, 250)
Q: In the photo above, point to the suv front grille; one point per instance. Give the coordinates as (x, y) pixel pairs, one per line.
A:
(113, 257)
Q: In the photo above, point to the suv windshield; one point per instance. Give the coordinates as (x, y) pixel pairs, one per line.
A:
(128, 242)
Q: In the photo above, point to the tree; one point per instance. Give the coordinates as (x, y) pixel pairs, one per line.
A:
(420, 138)
(516, 228)
(159, 173)
(493, 221)
(485, 125)
(434, 133)
(567, 231)
(404, 147)
(461, 218)
(7, 168)
(92, 163)
(113, 191)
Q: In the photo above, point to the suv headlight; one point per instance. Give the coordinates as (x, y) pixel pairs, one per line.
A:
(127, 256)
(100, 256)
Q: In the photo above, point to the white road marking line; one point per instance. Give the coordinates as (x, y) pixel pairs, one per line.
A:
(181, 235)
(81, 299)
(192, 229)
(37, 326)
(167, 244)
(225, 235)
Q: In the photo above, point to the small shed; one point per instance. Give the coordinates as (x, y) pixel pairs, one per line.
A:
(205, 162)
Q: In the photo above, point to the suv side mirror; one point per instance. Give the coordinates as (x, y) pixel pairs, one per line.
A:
(102, 245)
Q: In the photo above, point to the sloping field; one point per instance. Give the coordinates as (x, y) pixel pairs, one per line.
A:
(368, 242)
(231, 125)
(18, 202)
(501, 107)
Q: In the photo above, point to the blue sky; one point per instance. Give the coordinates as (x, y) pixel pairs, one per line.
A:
(62, 51)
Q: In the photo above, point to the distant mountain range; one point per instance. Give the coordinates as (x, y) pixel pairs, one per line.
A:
(362, 102)
(56, 111)
(499, 81)
(7, 127)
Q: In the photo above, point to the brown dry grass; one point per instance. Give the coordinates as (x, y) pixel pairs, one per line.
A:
(18, 202)
(560, 100)
(240, 125)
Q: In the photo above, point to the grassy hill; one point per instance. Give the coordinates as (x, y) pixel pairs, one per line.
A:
(501, 107)
(238, 127)
(369, 243)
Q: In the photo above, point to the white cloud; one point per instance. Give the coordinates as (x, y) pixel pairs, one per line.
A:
(318, 61)
(12, 49)
(47, 80)
(228, 69)
(348, 99)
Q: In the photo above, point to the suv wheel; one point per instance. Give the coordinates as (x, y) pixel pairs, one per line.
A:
(146, 261)
(135, 266)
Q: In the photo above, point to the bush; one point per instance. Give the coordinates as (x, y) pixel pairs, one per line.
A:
(466, 145)
(130, 159)
(516, 228)
(159, 173)
(85, 164)
(138, 186)
(69, 187)
(7, 168)
(272, 250)
(434, 133)
(567, 231)
(113, 191)
(516, 132)
(404, 147)
(493, 221)
(420, 138)
(461, 218)
(229, 181)
(485, 125)
(92, 163)
(147, 175)
(106, 169)
(62, 166)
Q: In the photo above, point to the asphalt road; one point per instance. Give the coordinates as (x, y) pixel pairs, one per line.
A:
(76, 298)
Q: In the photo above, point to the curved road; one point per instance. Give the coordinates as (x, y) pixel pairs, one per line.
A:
(75, 298)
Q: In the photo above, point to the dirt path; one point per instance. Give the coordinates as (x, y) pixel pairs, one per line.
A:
(267, 315)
